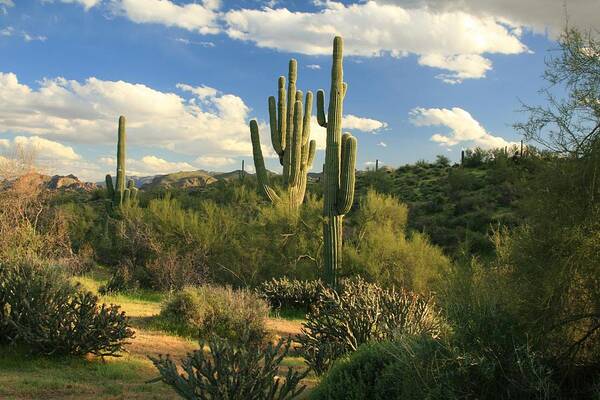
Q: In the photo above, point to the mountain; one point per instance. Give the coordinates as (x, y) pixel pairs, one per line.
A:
(34, 180)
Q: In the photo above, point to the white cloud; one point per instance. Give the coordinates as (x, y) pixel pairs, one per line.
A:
(31, 38)
(369, 125)
(463, 127)
(46, 149)
(147, 165)
(538, 15)
(5, 5)
(212, 163)
(201, 18)
(451, 40)
(152, 165)
(87, 4)
(319, 134)
(8, 31)
(203, 92)
(194, 42)
(382, 144)
(208, 122)
(313, 66)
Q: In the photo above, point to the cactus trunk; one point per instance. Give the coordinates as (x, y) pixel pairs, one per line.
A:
(290, 134)
(339, 168)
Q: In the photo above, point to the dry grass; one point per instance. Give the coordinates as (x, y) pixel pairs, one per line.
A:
(33, 378)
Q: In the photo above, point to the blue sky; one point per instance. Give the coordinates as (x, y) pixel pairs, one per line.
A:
(424, 79)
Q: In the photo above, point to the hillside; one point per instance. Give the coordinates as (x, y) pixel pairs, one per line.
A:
(457, 207)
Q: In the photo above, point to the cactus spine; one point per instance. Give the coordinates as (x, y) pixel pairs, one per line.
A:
(290, 134)
(120, 193)
(339, 168)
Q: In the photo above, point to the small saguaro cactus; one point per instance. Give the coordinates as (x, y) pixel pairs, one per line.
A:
(290, 134)
(339, 168)
(118, 192)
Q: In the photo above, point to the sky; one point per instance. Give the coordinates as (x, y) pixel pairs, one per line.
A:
(425, 77)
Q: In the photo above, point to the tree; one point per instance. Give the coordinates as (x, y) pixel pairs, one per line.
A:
(570, 123)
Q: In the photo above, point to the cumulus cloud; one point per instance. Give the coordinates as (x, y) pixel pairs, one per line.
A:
(451, 40)
(369, 125)
(5, 5)
(462, 126)
(382, 144)
(145, 166)
(44, 149)
(212, 163)
(538, 15)
(201, 18)
(203, 122)
(313, 66)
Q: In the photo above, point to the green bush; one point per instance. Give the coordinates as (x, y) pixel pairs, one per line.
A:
(40, 309)
(340, 322)
(290, 294)
(380, 249)
(232, 371)
(217, 311)
(421, 367)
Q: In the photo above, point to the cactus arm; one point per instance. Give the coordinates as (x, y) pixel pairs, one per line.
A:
(308, 104)
(127, 196)
(110, 189)
(291, 101)
(321, 109)
(282, 114)
(275, 134)
(259, 164)
(312, 147)
(347, 175)
(296, 148)
(120, 184)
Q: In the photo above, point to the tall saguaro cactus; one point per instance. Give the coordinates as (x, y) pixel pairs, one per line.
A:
(290, 134)
(118, 193)
(339, 168)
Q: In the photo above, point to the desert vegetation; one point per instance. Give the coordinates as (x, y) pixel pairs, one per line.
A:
(477, 280)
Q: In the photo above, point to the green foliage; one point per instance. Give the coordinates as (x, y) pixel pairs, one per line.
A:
(40, 309)
(380, 249)
(421, 367)
(290, 294)
(232, 371)
(457, 207)
(340, 322)
(208, 311)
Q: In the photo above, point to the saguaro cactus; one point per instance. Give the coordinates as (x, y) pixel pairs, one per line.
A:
(339, 168)
(118, 191)
(290, 134)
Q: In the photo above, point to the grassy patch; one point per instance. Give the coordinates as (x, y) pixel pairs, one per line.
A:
(27, 377)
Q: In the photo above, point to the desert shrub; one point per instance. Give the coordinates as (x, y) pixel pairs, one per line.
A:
(42, 310)
(122, 280)
(421, 367)
(340, 322)
(290, 294)
(380, 249)
(232, 371)
(208, 311)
